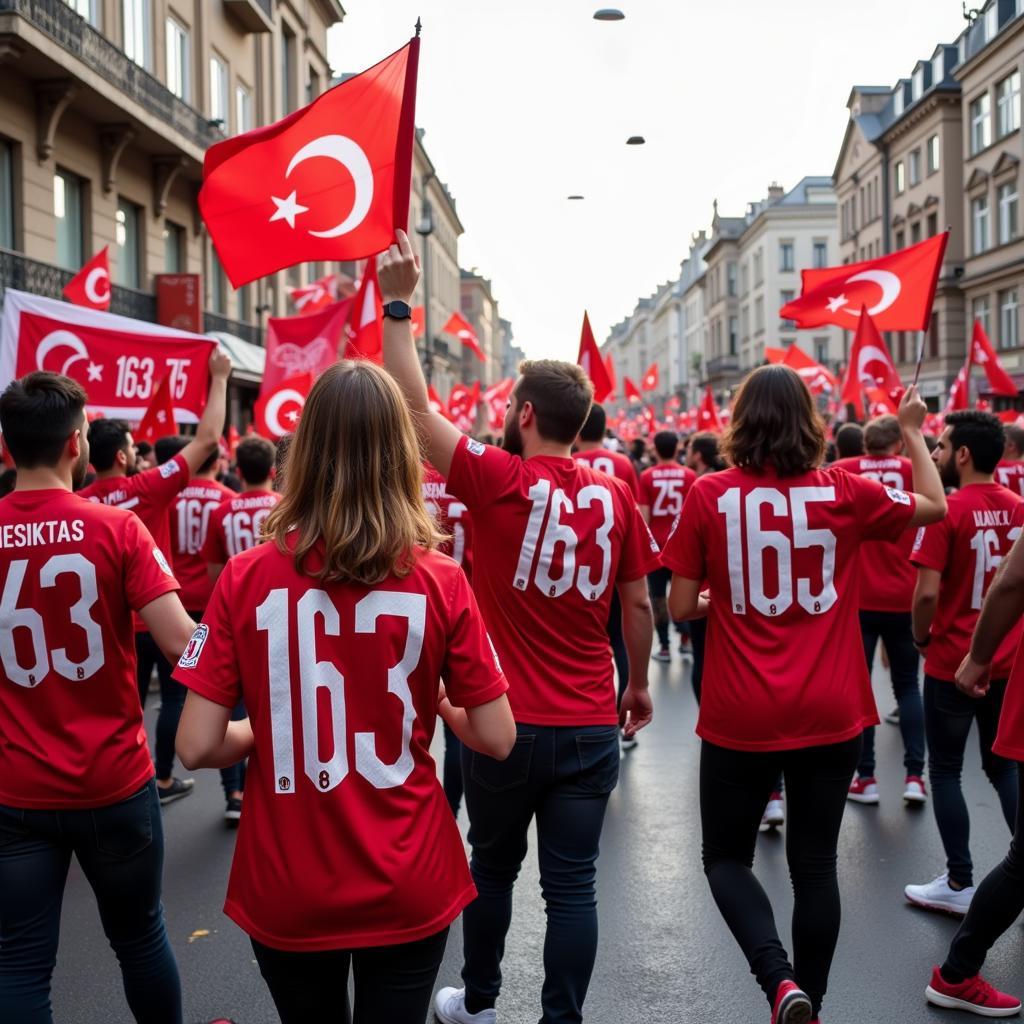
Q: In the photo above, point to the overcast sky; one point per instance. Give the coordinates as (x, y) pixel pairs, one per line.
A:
(525, 102)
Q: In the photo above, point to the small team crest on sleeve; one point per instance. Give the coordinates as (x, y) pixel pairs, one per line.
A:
(162, 562)
(475, 447)
(899, 497)
(190, 656)
(168, 469)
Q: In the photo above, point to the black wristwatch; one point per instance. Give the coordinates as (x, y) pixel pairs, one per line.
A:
(397, 310)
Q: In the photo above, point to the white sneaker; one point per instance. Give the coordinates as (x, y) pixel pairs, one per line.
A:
(863, 790)
(914, 791)
(774, 814)
(939, 895)
(627, 742)
(893, 717)
(663, 654)
(450, 1008)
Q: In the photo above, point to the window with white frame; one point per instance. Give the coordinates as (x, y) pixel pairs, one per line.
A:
(821, 350)
(1009, 319)
(759, 314)
(914, 166)
(981, 123)
(918, 83)
(938, 67)
(900, 177)
(1008, 206)
(933, 154)
(992, 21)
(980, 224)
(819, 254)
(128, 237)
(218, 284)
(786, 258)
(177, 59)
(219, 92)
(136, 18)
(243, 109)
(1008, 104)
(898, 100)
(68, 212)
(174, 248)
(88, 9)
(980, 312)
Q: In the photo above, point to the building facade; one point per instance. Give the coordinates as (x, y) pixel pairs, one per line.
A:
(480, 308)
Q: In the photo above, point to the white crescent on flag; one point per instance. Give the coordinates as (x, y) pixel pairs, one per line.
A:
(276, 403)
(886, 280)
(95, 277)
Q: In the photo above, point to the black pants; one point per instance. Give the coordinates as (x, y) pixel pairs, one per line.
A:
(563, 777)
(658, 583)
(948, 715)
(451, 775)
(698, 637)
(734, 787)
(995, 906)
(172, 700)
(392, 983)
(894, 630)
(618, 642)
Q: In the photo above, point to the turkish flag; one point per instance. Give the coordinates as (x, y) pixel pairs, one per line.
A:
(983, 355)
(649, 381)
(463, 330)
(159, 418)
(960, 390)
(897, 290)
(593, 366)
(812, 373)
(674, 404)
(870, 365)
(315, 296)
(880, 404)
(418, 321)
(632, 392)
(233, 439)
(462, 405)
(609, 365)
(277, 413)
(496, 400)
(304, 344)
(329, 182)
(436, 403)
(91, 285)
(366, 330)
(708, 415)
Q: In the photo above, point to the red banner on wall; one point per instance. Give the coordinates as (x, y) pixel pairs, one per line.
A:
(179, 302)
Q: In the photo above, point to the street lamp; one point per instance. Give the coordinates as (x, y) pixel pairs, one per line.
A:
(425, 228)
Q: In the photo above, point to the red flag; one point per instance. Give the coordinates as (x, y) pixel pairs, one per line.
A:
(366, 330)
(674, 404)
(812, 373)
(593, 366)
(870, 365)
(649, 419)
(708, 416)
(631, 390)
(328, 182)
(960, 389)
(277, 412)
(897, 290)
(609, 365)
(91, 285)
(304, 344)
(159, 418)
(463, 330)
(880, 404)
(462, 405)
(983, 355)
(315, 296)
(775, 355)
(496, 399)
(436, 403)
(233, 439)
(418, 321)
(649, 381)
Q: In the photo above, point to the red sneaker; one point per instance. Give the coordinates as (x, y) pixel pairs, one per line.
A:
(792, 1005)
(863, 791)
(975, 995)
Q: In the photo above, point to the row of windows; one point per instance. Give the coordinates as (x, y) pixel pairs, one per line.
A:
(1007, 309)
(787, 264)
(868, 194)
(1007, 219)
(907, 173)
(1007, 113)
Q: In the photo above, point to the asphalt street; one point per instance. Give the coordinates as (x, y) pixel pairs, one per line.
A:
(665, 955)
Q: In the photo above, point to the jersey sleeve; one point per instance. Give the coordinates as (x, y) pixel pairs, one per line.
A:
(214, 549)
(639, 548)
(482, 473)
(147, 574)
(209, 664)
(631, 480)
(882, 513)
(471, 673)
(645, 492)
(932, 546)
(160, 484)
(684, 549)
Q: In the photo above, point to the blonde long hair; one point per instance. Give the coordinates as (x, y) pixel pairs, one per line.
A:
(353, 495)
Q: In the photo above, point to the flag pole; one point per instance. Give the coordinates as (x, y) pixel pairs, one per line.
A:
(920, 359)
(419, 25)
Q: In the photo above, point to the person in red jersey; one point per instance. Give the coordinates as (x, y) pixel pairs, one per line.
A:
(1010, 471)
(786, 686)
(956, 562)
(237, 524)
(886, 594)
(335, 632)
(76, 778)
(999, 899)
(150, 495)
(663, 488)
(552, 539)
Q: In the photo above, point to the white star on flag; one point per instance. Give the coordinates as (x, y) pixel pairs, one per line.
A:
(95, 371)
(292, 417)
(288, 209)
(161, 416)
(837, 303)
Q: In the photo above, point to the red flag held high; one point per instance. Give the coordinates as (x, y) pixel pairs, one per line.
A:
(897, 290)
(159, 418)
(496, 399)
(304, 344)
(435, 401)
(812, 373)
(631, 390)
(233, 439)
(278, 412)
(708, 416)
(91, 285)
(366, 331)
(609, 365)
(418, 321)
(649, 381)
(328, 182)
(983, 355)
(593, 366)
(870, 365)
(315, 296)
(462, 405)
(463, 330)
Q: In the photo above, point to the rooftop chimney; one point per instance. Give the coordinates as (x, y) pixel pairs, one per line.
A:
(775, 192)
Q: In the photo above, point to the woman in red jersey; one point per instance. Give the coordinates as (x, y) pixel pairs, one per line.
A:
(786, 688)
(335, 635)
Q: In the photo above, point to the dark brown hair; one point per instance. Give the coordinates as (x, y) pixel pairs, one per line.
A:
(38, 413)
(774, 424)
(561, 395)
(882, 433)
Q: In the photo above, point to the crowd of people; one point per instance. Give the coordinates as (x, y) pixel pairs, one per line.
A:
(310, 610)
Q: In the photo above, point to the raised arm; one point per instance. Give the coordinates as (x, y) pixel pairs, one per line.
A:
(211, 423)
(930, 505)
(398, 271)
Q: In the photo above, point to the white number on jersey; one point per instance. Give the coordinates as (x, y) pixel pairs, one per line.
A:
(456, 510)
(987, 558)
(1008, 476)
(272, 618)
(745, 550)
(554, 504)
(193, 518)
(242, 529)
(12, 617)
(603, 464)
(891, 479)
(669, 500)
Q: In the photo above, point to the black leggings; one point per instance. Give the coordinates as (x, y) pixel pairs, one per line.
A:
(995, 906)
(734, 787)
(392, 983)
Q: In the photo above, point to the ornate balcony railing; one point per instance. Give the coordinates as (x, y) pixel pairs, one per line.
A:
(74, 34)
(239, 328)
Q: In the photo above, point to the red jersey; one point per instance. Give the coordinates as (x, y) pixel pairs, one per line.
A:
(886, 576)
(559, 536)
(71, 733)
(190, 517)
(785, 661)
(1010, 473)
(347, 840)
(236, 525)
(1010, 737)
(966, 547)
(452, 518)
(614, 464)
(663, 489)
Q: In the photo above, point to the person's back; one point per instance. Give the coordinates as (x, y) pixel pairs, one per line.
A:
(452, 518)
(590, 448)
(1010, 471)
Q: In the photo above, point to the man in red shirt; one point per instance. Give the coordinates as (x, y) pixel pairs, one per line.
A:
(957, 560)
(1010, 471)
(553, 538)
(663, 489)
(76, 777)
(886, 595)
(149, 495)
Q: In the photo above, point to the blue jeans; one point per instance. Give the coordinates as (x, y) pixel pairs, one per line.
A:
(564, 777)
(121, 850)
